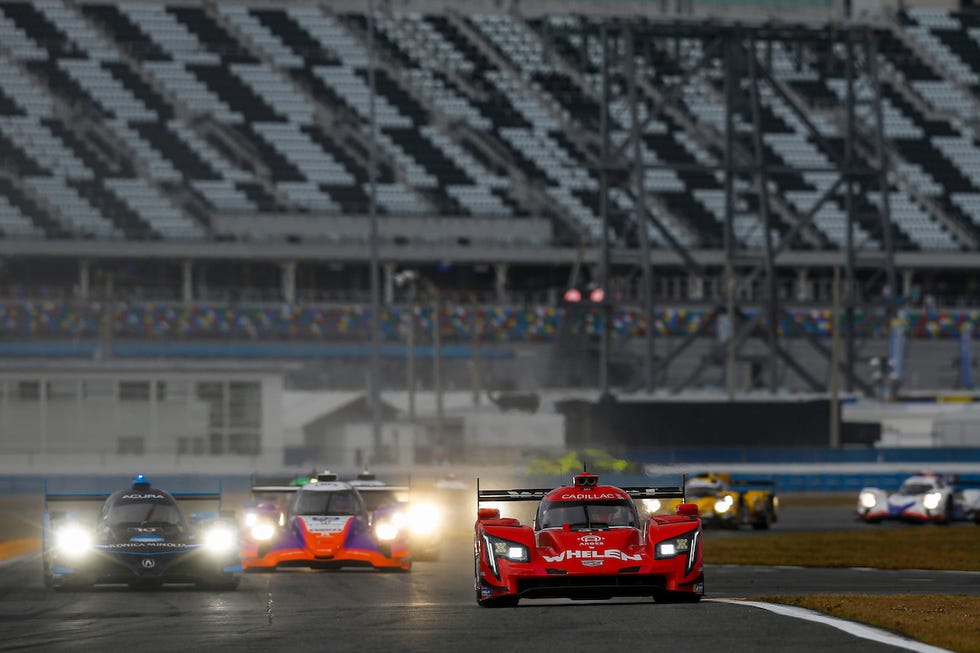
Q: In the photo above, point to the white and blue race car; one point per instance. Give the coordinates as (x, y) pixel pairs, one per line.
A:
(922, 498)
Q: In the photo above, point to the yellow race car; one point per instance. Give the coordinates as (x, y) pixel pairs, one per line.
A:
(725, 502)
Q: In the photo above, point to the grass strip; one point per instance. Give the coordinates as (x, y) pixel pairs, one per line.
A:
(915, 547)
(947, 621)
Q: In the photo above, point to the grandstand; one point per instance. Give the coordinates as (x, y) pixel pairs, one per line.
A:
(191, 159)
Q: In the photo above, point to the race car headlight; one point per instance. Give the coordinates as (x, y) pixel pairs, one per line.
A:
(423, 518)
(386, 531)
(676, 546)
(724, 504)
(219, 539)
(497, 547)
(867, 499)
(263, 531)
(652, 505)
(931, 500)
(73, 541)
(251, 519)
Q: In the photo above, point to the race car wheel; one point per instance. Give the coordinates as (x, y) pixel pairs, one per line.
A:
(761, 521)
(947, 516)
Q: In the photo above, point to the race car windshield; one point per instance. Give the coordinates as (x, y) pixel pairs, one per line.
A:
(143, 513)
(373, 499)
(587, 514)
(326, 503)
(915, 488)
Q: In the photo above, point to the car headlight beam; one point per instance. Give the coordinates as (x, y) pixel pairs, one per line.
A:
(724, 504)
(386, 531)
(73, 541)
(220, 539)
(652, 505)
(263, 531)
(423, 518)
(868, 500)
(932, 500)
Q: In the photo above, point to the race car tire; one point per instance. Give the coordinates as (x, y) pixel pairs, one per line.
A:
(947, 515)
(761, 522)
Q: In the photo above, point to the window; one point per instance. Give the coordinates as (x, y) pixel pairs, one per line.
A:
(63, 389)
(28, 390)
(134, 390)
(190, 445)
(243, 443)
(130, 444)
(244, 405)
(213, 393)
(173, 390)
(98, 389)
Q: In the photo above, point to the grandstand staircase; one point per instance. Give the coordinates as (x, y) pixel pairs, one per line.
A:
(21, 197)
(922, 52)
(334, 120)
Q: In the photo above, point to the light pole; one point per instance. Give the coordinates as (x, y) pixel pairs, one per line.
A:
(410, 278)
(375, 373)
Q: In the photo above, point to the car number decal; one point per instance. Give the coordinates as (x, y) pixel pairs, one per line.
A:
(325, 524)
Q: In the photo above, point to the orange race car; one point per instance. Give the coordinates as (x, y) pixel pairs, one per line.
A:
(326, 525)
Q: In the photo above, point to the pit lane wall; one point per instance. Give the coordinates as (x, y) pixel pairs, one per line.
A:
(794, 470)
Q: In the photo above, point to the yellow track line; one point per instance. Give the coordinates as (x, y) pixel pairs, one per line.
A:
(14, 548)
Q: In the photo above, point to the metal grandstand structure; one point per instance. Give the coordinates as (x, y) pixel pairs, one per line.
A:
(213, 135)
(736, 49)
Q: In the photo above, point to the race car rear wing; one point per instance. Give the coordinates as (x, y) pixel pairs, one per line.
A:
(381, 488)
(536, 494)
(284, 489)
(56, 497)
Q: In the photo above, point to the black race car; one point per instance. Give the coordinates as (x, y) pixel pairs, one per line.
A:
(141, 537)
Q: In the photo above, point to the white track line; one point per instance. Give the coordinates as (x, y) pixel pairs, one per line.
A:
(851, 627)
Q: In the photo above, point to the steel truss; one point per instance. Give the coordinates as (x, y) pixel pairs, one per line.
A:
(742, 53)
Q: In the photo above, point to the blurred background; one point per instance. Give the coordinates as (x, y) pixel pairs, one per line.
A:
(435, 237)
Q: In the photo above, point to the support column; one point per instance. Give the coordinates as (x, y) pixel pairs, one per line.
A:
(389, 283)
(84, 278)
(187, 280)
(908, 276)
(500, 282)
(288, 281)
(803, 293)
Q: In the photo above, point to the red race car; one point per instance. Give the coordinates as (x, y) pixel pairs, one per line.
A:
(587, 542)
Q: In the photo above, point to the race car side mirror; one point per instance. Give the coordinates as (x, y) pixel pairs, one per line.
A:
(688, 509)
(488, 513)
